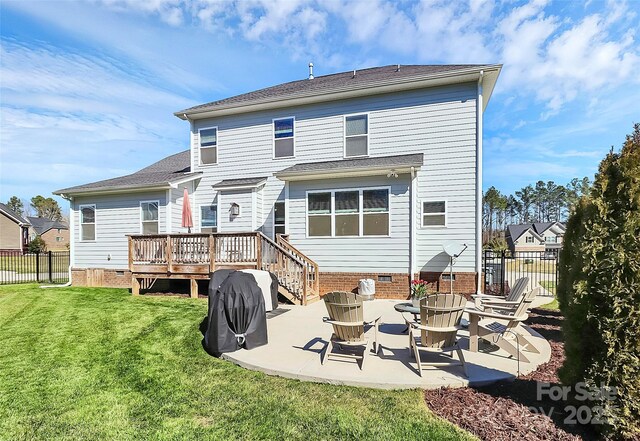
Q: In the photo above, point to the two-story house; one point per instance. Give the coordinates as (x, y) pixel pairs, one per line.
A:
(366, 173)
(535, 237)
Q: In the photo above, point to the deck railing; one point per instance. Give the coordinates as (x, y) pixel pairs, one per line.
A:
(186, 255)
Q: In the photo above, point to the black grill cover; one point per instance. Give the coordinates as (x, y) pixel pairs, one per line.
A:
(237, 317)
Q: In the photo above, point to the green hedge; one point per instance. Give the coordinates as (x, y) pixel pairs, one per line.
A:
(599, 289)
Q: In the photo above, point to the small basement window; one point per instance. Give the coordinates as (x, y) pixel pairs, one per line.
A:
(386, 279)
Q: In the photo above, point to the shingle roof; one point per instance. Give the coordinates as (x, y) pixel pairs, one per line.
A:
(379, 162)
(12, 214)
(515, 231)
(240, 182)
(42, 224)
(329, 83)
(165, 171)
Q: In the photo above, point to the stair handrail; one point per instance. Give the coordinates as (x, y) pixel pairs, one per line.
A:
(280, 239)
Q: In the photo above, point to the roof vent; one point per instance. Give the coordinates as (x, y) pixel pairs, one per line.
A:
(398, 68)
(311, 71)
(354, 73)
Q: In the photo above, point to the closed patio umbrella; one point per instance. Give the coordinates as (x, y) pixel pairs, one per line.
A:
(187, 218)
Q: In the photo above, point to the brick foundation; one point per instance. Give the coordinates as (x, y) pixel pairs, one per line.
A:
(108, 278)
(463, 283)
(398, 288)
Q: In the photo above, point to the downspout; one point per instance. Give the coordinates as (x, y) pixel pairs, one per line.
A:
(412, 226)
(478, 268)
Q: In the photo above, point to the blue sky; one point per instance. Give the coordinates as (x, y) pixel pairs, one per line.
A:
(88, 89)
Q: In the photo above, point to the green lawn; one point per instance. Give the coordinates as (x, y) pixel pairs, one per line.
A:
(87, 363)
(551, 287)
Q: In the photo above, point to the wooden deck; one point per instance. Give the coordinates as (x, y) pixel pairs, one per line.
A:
(195, 256)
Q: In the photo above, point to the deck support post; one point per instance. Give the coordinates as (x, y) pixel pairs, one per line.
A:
(135, 286)
(194, 288)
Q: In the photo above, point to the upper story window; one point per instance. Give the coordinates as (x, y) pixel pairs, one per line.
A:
(360, 212)
(208, 146)
(149, 217)
(283, 138)
(529, 239)
(434, 214)
(209, 219)
(87, 222)
(551, 239)
(356, 135)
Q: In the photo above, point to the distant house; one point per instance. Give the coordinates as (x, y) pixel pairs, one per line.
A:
(54, 233)
(539, 236)
(14, 230)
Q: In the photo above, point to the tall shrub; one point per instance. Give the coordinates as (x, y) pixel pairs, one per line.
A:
(599, 289)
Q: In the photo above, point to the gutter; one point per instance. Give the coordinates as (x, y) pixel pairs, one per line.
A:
(128, 188)
(479, 185)
(312, 174)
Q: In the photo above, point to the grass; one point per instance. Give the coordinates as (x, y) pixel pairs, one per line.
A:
(551, 287)
(97, 363)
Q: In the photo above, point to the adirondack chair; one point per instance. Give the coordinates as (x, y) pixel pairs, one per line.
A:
(516, 293)
(440, 316)
(346, 315)
(505, 327)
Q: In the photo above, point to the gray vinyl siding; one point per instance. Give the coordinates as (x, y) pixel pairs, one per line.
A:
(244, 222)
(354, 254)
(116, 216)
(439, 122)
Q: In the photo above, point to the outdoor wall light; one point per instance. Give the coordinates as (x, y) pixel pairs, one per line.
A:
(235, 209)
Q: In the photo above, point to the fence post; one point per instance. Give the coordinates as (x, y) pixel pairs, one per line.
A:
(50, 267)
(38, 266)
(503, 271)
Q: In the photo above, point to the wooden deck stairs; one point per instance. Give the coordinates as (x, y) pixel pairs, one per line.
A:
(195, 256)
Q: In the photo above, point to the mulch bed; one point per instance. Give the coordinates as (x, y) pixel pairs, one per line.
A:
(509, 410)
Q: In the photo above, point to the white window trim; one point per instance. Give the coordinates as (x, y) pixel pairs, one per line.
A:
(533, 239)
(273, 137)
(333, 213)
(200, 226)
(149, 202)
(446, 214)
(200, 163)
(344, 134)
(273, 222)
(95, 222)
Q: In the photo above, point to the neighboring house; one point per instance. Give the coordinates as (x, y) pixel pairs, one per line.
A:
(539, 236)
(14, 230)
(367, 172)
(54, 233)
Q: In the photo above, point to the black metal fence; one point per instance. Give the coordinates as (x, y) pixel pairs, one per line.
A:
(503, 268)
(47, 267)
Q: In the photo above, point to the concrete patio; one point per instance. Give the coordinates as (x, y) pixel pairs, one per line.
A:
(297, 337)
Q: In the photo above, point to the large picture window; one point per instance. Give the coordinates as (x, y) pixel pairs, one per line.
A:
(283, 138)
(87, 222)
(208, 146)
(340, 213)
(149, 217)
(434, 213)
(209, 219)
(356, 135)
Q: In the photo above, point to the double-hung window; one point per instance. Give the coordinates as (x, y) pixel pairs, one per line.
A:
(529, 239)
(149, 217)
(87, 222)
(279, 218)
(208, 218)
(339, 213)
(356, 135)
(283, 138)
(434, 214)
(551, 239)
(208, 146)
